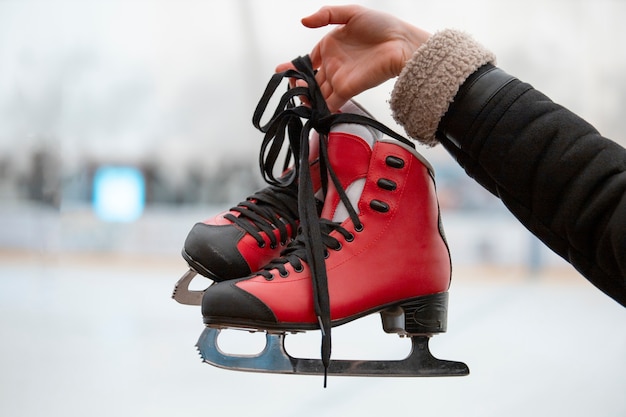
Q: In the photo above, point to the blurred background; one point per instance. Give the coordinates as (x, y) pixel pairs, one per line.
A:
(122, 123)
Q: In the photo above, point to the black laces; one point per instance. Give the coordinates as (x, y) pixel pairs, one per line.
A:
(267, 210)
(313, 240)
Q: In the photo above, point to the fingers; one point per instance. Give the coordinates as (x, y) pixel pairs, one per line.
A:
(334, 102)
(284, 66)
(328, 15)
(316, 56)
(331, 15)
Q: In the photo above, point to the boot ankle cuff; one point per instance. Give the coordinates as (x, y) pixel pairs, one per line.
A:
(430, 80)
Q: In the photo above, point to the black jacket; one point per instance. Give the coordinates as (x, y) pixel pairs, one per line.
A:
(562, 179)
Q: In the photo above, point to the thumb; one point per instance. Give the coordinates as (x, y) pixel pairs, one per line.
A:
(330, 15)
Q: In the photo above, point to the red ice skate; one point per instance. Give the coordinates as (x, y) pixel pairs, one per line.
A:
(378, 247)
(240, 241)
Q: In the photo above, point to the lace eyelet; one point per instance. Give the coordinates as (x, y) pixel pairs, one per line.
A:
(394, 162)
(350, 238)
(261, 245)
(379, 206)
(339, 246)
(269, 277)
(387, 184)
(273, 246)
(326, 254)
(298, 268)
(283, 274)
(358, 228)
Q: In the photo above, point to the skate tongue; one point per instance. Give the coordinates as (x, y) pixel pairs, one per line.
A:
(366, 133)
(349, 159)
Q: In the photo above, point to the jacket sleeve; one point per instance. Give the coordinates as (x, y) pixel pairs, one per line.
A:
(554, 171)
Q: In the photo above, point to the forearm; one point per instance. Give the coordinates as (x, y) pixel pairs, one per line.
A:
(554, 171)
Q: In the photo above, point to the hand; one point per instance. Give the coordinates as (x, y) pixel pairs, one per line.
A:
(369, 48)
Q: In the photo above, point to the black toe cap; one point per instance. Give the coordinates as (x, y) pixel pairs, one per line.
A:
(226, 304)
(212, 251)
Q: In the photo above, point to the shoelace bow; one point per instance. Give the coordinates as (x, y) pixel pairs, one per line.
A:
(314, 233)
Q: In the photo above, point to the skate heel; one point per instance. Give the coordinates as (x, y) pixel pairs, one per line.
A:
(426, 315)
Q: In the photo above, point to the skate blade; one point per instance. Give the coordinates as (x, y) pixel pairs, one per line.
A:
(183, 294)
(275, 359)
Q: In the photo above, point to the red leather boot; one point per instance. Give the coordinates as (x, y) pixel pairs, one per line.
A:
(378, 247)
(240, 241)
(394, 254)
(388, 254)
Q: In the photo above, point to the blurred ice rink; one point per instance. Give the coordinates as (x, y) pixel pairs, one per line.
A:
(87, 325)
(100, 336)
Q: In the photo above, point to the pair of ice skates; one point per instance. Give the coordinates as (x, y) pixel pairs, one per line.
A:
(352, 228)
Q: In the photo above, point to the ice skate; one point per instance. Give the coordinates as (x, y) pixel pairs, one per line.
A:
(242, 240)
(236, 243)
(378, 248)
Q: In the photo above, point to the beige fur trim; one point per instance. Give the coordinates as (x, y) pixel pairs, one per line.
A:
(430, 80)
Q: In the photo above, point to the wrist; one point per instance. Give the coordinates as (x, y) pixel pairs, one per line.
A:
(430, 80)
(411, 40)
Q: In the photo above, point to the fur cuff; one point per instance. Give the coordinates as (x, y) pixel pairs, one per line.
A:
(430, 80)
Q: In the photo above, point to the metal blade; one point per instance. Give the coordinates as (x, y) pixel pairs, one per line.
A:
(275, 359)
(183, 294)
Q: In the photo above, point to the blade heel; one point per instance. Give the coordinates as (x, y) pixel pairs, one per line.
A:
(425, 315)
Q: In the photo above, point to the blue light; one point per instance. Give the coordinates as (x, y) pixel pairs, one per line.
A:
(119, 193)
